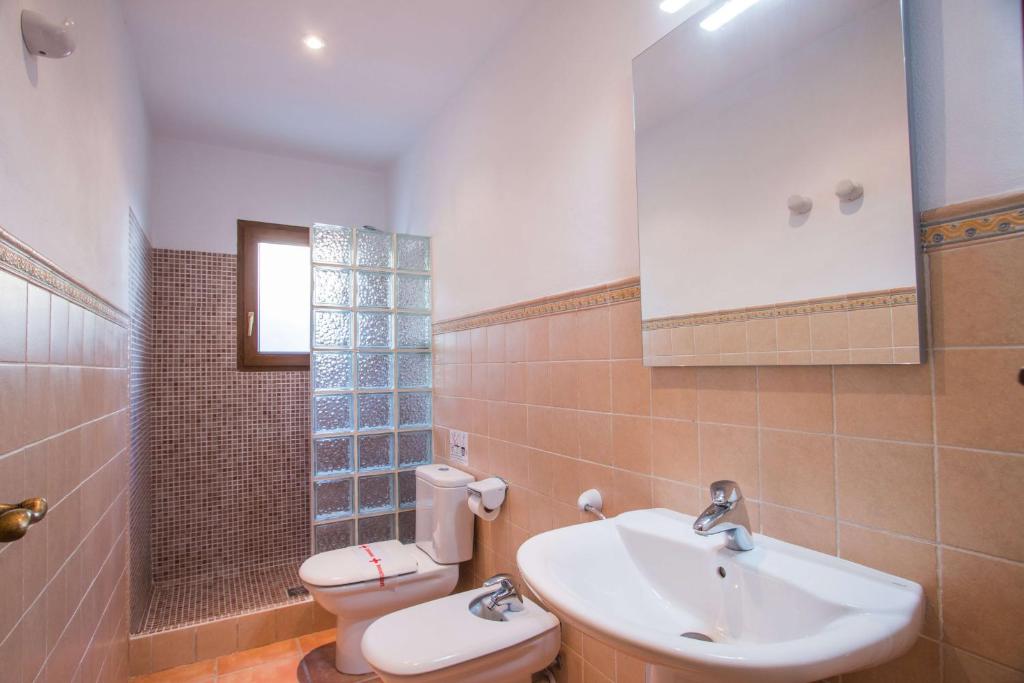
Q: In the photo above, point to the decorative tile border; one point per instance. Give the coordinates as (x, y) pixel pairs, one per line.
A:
(18, 258)
(975, 220)
(906, 296)
(593, 297)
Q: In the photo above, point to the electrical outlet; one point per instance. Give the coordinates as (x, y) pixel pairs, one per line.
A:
(458, 446)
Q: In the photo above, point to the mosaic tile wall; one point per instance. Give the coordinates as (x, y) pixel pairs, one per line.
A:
(63, 436)
(230, 448)
(372, 382)
(140, 406)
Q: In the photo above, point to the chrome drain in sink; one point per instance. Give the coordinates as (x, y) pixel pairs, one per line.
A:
(697, 636)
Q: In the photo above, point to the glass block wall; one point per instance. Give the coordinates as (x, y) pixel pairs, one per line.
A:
(371, 379)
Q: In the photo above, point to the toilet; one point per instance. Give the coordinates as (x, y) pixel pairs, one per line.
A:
(361, 584)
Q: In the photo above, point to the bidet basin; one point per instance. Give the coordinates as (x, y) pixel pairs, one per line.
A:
(646, 584)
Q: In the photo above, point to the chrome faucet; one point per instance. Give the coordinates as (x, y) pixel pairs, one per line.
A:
(505, 595)
(727, 513)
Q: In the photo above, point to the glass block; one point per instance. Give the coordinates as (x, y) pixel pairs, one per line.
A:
(414, 448)
(413, 253)
(332, 371)
(332, 286)
(334, 455)
(376, 529)
(407, 489)
(332, 244)
(413, 409)
(413, 292)
(335, 535)
(374, 330)
(332, 413)
(413, 331)
(407, 526)
(375, 411)
(333, 498)
(374, 289)
(332, 329)
(376, 371)
(376, 452)
(373, 248)
(376, 493)
(415, 371)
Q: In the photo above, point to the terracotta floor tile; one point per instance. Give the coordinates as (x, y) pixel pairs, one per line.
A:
(200, 672)
(312, 641)
(256, 656)
(318, 667)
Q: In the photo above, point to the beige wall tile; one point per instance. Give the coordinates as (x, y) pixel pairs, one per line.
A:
(515, 341)
(978, 400)
(496, 344)
(682, 341)
(727, 395)
(830, 331)
(797, 471)
(795, 358)
(593, 333)
(884, 402)
(661, 342)
(963, 667)
(58, 329)
(982, 600)
(631, 387)
(794, 333)
(478, 345)
(871, 356)
(762, 335)
(870, 328)
(674, 450)
(705, 340)
(830, 357)
(900, 556)
(594, 385)
(732, 337)
(793, 526)
(631, 443)
(624, 324)
(564, 384)
(920, 665)
(677, 496)
(796, 398)
(38, 328)
(631, 491)
(562, 336)
(173, 648)
(887, 485)
(256, 630)
(978, 293)
(538, 340)
(728, 452)
(13, 314)
(140, 655)
(975, 490)
(538, 384)
(674, 393)
(292, 621)
(595, 433)
(216, 638)
(906, 328)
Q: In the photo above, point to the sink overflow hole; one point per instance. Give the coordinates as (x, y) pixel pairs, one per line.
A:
(696, 636)
(721, 572)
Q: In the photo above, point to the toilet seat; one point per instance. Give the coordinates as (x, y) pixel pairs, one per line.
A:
(442, 640)
(369, 562)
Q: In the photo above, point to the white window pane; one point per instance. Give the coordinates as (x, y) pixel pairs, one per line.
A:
(283, 315)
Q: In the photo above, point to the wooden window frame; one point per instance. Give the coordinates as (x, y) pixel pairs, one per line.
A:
(250, 234)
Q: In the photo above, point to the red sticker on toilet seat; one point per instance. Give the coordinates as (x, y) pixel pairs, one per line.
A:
(375, 561)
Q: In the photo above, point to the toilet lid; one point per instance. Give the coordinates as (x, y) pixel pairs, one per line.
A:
(370, 562)
(442, 633)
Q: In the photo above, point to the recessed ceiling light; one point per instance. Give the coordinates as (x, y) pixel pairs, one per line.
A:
(314, 42)
(673, 6)
(726, 13)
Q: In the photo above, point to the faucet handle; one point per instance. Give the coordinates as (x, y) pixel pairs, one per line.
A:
(507, 593)
(503, 580)
(725, 492)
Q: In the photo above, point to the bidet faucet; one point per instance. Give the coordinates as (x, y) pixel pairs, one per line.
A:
(505, 595)
(727, 513)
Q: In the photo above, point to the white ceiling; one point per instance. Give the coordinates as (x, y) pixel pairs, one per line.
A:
(235, 72)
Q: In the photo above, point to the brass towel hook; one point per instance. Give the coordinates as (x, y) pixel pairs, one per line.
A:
(16, 518)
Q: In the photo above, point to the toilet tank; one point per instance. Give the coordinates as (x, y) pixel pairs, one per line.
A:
(444, 523)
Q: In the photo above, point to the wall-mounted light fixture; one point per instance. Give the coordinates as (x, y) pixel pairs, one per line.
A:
(799, 204)
(849, 191)
(44, 38)
(314, 42)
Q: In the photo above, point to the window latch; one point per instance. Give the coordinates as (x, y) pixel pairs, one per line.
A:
(252, 319)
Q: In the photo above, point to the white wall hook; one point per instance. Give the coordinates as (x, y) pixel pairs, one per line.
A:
(799, 204)
(591, 501)
(849, 191)
(44, 38)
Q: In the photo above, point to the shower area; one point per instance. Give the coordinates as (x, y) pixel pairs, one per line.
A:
(237, 475)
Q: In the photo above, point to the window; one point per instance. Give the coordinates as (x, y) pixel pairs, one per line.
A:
(273, 296)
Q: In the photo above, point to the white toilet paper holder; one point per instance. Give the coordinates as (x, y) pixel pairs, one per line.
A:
(491, 492)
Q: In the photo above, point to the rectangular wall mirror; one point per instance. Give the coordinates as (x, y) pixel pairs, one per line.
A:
(776, 211)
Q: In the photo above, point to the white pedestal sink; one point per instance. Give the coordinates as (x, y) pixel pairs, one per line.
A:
(646, 584)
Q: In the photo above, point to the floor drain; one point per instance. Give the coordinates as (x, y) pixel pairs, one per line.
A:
(696, 636)
(296, 591)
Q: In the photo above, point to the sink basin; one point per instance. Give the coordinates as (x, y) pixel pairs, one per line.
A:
(779, 612)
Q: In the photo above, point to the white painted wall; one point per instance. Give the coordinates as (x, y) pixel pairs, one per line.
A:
(73, 144)
(199, 192)
(526, 179)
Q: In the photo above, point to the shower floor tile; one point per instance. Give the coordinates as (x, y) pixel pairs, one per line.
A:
(186, 603)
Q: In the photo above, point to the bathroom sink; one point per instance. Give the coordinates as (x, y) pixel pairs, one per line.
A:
(646, 584)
